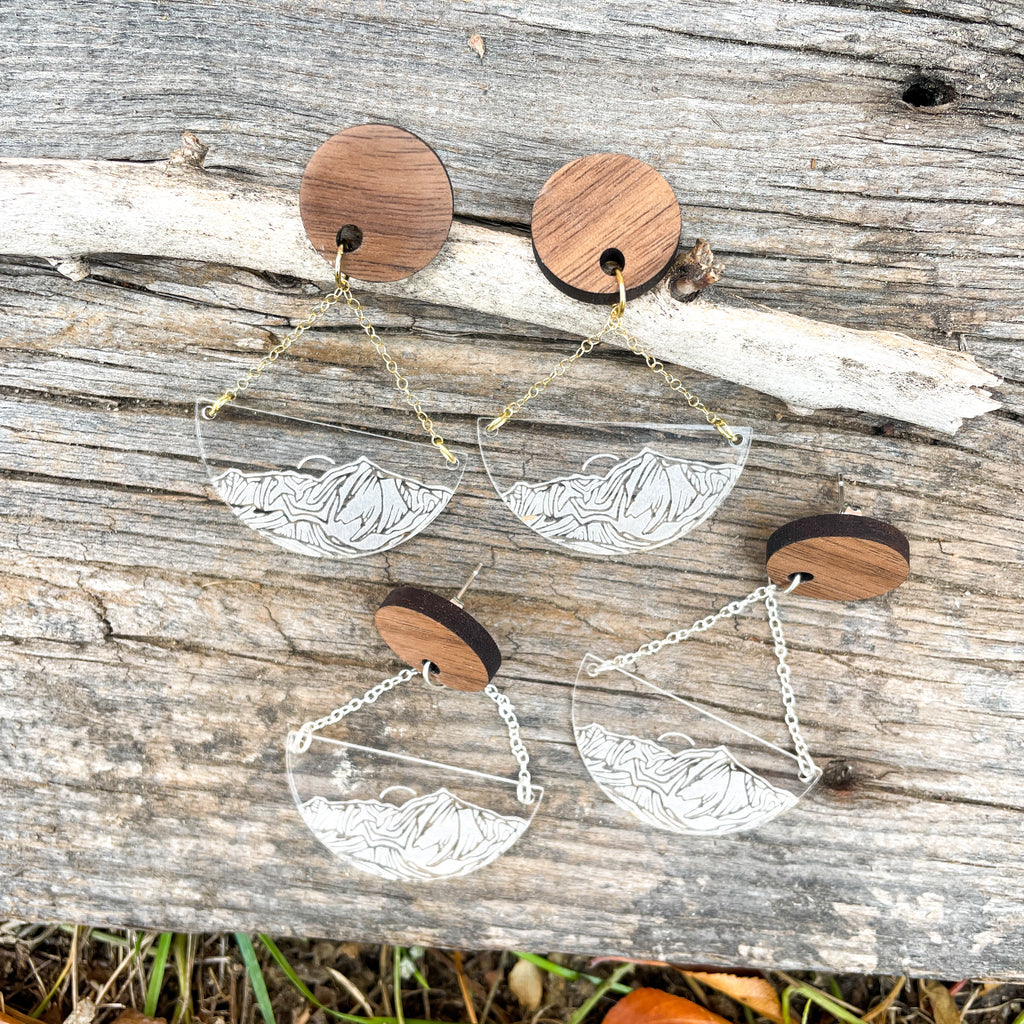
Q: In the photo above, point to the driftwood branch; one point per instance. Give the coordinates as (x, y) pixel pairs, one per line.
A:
(65, 210)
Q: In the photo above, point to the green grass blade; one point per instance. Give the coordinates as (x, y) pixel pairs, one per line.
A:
(252, 966)
(567, 972)
(289, 971)
(156, 976)
(396, 980)
(605, 986)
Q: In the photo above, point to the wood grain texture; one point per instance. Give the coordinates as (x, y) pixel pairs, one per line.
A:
(154, 654)
(838, 557)
(420, 627)
(387, 184)
(605, 203)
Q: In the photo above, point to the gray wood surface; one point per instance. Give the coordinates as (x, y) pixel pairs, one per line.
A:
(153, 652)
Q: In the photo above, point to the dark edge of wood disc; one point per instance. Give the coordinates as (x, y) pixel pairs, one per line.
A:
(819, 527)
(596, 298)
(573, 228)
(451, 617)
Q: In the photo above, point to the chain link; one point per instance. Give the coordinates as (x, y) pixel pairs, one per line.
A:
(808, 770)
(614, 327)
(524, 791)
(341, 293)
(300, 740)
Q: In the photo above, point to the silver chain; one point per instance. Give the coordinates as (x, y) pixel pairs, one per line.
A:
(524, 791)
(808, 770)
(299, 741)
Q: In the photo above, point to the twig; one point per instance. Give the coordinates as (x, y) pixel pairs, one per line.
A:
(499, 973)
(351, 988)
(57, 209)
(464, 986)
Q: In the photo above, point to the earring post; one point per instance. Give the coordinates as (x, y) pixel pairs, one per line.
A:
(457, 599)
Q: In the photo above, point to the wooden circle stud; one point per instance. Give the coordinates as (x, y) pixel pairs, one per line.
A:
(420, 626)
(842, 557)
(388, 184)
(601, 206)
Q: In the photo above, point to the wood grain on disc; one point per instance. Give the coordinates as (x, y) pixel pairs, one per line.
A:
(388, 183)
(603, 202)
(848, 556)
(420, 626)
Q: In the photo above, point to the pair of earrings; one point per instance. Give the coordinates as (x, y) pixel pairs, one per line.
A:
(377, 201)
(411, 819)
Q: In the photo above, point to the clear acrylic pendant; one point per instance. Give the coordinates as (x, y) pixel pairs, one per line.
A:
(611, 488)
(322, 490)
(679, 763)
(401, 817)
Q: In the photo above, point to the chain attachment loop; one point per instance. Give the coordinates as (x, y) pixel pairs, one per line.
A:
(808, 771)
(614, 328)
(342, 293)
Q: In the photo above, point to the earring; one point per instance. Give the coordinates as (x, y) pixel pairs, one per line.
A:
(606, 228)
(398, 816)
(724, 775)
(376, 201)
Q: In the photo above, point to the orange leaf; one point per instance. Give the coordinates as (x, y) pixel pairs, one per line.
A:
(652, 1006)
(756, 993)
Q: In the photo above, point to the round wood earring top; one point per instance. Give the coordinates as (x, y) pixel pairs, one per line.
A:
(605, 209)
(841, 557)
(420, 626)
(386, 192)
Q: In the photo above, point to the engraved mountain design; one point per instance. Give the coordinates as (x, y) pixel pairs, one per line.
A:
(642, 502)
(436, 835)
(343, 512)
(704, 790)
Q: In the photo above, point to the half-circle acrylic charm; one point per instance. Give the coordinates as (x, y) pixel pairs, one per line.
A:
(678, 762)
(322, 490)
(378, 806)
(611, 489)
(401, 817)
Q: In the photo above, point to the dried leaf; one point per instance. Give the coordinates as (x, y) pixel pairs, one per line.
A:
(652, 1006)
(12, 1016)
(756, 993)
(476, 44)
(526, 982)
(943, 1008)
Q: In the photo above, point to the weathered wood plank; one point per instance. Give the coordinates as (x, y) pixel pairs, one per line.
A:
(154, 652)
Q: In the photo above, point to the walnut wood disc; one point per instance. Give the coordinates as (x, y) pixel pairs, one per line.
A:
(420, 626)
(603, 202)
(848, 556)
(388, 183)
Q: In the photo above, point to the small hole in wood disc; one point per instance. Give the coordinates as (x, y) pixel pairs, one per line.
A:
(349, 237)
(612, 260)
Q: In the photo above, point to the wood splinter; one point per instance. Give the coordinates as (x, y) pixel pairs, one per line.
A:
(61, 209)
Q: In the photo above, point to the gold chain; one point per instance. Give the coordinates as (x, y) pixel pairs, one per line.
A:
(341, 293)
(614, 327)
